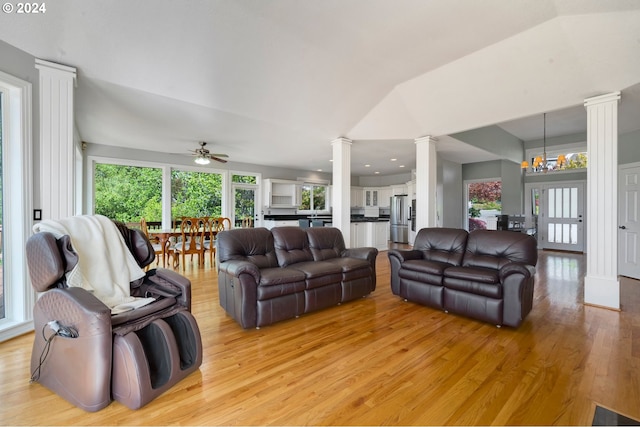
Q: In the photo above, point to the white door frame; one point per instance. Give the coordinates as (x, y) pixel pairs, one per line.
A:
(628, 228)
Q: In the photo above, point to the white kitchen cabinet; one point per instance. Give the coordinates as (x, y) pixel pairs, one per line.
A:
(380, 235)
(384, 197)
(357, 197)
(370, 197)
(358, 234)
(280, 193)
(398, 189)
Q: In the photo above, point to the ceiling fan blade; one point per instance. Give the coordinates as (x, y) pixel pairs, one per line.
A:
(219, 155)
(217, 159)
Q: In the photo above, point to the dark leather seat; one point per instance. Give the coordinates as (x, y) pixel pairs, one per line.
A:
(131, 357)
(266, 276)
(487, 275)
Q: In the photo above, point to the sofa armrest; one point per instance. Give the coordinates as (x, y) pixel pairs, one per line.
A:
(404, 255)
(237, 267)
(516, 268)
(361, 253)
(517, 281)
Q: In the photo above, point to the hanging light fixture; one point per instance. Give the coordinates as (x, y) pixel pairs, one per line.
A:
(540, 163)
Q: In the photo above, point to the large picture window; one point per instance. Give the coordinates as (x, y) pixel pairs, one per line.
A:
(128, 193)
(195, 194)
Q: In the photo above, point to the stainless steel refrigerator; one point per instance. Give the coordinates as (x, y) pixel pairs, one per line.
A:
(399, 217)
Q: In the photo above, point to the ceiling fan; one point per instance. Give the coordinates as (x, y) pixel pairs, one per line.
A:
(203, 156)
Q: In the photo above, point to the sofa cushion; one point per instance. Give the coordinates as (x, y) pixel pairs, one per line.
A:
(279, 276)
(424, 266)
(247, 244)
(441, 244)
(479, 281)
(319, 273)
(292, 245)
(325, 243)
(276, 282)
(350, 264)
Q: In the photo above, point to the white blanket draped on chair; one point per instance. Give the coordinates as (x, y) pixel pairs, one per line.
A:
(105, 266)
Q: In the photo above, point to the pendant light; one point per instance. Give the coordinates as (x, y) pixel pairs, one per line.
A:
(540, 162)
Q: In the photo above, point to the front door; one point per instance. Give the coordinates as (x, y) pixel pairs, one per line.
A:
(561, 219)
(629, 222)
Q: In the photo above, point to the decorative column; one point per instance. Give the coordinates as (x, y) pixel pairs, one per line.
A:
(601, 285)
(341, 190)
(426, 181)
(57, 151)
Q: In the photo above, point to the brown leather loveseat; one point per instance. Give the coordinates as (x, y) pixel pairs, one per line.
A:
(487, 275)
(265, 276)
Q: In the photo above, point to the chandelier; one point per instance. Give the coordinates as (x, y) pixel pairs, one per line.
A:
(540, 163)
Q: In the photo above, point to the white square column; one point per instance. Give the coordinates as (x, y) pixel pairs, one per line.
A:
(57, 150)
(341, 189)
(426, 182)
(601, 285)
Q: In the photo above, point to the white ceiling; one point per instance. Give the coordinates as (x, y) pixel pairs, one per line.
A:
(273, 82)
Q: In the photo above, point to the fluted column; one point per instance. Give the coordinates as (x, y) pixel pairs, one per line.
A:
(601, 285)
(341, 189)
(57, 151)
(426, 181)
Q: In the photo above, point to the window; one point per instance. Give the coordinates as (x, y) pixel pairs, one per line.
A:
(569, 157)
(128, 193)
(15, 217)
(195, 194)
(313, 197)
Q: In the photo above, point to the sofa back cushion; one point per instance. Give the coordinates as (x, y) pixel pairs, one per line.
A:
(494, 249)
(292, 245)
(442, 244)
(249, 244)
(325, 242)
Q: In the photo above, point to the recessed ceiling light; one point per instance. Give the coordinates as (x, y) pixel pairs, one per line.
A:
(393, 160)
(319, 170)
(331, 160)
(367, 166)
(401, 166)
(376, 172)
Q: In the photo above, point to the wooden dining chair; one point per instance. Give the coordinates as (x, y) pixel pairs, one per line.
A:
(216, 225)
(247, 222)
(192, 231)
(157, 247)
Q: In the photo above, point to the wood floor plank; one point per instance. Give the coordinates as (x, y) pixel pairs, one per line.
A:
(381, 360)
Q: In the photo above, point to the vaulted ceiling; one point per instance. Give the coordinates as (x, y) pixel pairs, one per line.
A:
(273, 82)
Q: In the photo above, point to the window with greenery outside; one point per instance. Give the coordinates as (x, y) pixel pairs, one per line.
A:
(128, 193)
(195, 194)
(313, 198)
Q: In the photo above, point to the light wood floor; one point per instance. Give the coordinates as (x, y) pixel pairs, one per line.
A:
(379, 360)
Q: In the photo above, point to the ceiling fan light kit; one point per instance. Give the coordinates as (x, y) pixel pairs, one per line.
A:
(203, 156)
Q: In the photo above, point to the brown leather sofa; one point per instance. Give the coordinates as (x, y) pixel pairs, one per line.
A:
(487, 275)
(265, 276)
(88, 355)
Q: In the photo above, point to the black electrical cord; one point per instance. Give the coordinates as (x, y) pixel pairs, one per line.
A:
(58, 330)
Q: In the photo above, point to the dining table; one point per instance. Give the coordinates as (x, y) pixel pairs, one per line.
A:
(164, 235)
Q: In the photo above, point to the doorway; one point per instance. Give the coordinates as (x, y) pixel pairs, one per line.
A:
(244, 205)
(484, 202)
(629, 221)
